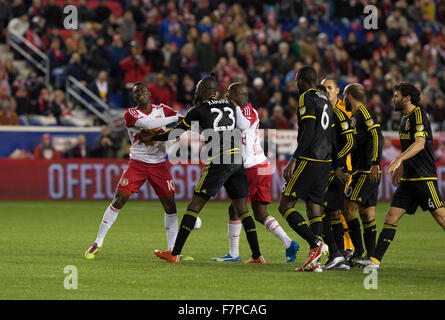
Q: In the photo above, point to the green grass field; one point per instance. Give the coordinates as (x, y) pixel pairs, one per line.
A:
(38, 239)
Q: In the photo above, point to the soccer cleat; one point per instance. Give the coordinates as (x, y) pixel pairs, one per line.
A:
(314, 255)
(316, 268)
(167, 255)
(186, 258)
(353, 259)
(348, 254)
(335, 263)
(227, 258)
(368, 263)
(92, 251)
(259, 260)
(291, 252)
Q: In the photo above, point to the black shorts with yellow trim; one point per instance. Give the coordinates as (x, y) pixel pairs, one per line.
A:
(362, 191)
(308, 181)
(335, 194)
(214, 176)
(410, 194)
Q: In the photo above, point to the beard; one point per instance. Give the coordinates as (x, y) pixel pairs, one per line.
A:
(398, 106)
(348, 105)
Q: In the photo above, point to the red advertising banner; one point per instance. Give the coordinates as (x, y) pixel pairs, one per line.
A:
(96, 179)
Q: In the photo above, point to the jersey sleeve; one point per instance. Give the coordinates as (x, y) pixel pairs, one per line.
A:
(422, 124)
(130, 117)
(192, 115)
(250, 114)
(168, 111)
(375, 132)
(179, 128)
(306, 108)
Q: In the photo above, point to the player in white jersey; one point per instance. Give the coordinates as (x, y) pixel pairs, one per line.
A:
(259, 175)
(147, 162)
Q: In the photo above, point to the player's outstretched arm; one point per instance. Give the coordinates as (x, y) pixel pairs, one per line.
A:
(156, 123)
(413, 149)
(172, 133)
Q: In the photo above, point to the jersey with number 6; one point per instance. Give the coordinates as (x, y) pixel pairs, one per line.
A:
(315, 106)
(217, 120)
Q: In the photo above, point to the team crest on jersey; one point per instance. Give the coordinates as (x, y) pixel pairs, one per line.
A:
(407, 125)
(302, 110)
(345, 125)
(124, 182)
(369, 122)
(353, 122)
(419, 127)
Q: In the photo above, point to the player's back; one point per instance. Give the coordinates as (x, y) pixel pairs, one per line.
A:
(217, 121)
(314, 104)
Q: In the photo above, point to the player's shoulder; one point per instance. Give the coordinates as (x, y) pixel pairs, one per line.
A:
(132, 112)
(248, 110)
(340, 114)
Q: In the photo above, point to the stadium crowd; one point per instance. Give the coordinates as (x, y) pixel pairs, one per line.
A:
(172, 44)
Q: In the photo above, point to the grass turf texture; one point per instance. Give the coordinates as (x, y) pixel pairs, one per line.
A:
(38, 239)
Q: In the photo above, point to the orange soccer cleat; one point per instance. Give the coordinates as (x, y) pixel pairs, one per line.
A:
(259, 260)
(167, 255)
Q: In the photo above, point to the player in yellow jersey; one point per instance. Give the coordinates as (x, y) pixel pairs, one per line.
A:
(338, 223)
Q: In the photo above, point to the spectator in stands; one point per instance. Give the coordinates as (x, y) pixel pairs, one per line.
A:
(118, 52)
(153, 56)
(258, 95)
(41, 111)
(186, 91)
(99, 56)
(77, 69)
(75, 43)
(127, 26)
(102, 12)
(18, 8)
(389, 151)
(100, 87)
(162, 90)
(57, 59)
(172, 59)
(279, 119)
(301, 31)
(85, 14)
(5, 12)
(205, 54)
(432, 90)
(53, 15)
(108, 145)
(80, 150)
(265, 121)
(282, 61)
(8, 115)
(189, 62)
(172, 30)
(138, 15)
(135, 70)
(19, 26)
(46, 150)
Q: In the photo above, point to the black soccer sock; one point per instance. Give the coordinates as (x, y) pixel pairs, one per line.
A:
(385, 238)
(369, 237)
(187, 224)
(355, 234)
(316, 226)
(299, 225)
(251, 234)
(328, 235)
(338, 233)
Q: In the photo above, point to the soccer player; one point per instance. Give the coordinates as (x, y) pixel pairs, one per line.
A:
(259, 177)
(147, 162)
(334, 198)
(307, 172)
(217, 119)
(338, 223)
(362, 193)
(417, 185)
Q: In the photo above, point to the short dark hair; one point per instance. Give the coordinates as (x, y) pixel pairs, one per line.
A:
(322, 88)
(308, 75)
(408, 89)
(357, 91)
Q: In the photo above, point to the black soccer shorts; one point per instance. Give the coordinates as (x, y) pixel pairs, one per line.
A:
(335, 194)
(308, 181)
(362, 190)
(409, 195)
(214, 176)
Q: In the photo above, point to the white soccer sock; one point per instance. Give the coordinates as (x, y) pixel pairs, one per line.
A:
(234, 231)
(171, 227)
(107, 221)
(275, 228)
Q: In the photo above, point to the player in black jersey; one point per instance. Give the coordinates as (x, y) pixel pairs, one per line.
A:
(307, 172)
(362, 193)
(217, 121)
(338, 177)
(417, 186)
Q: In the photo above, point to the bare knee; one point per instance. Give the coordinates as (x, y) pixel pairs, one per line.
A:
(120, 199)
